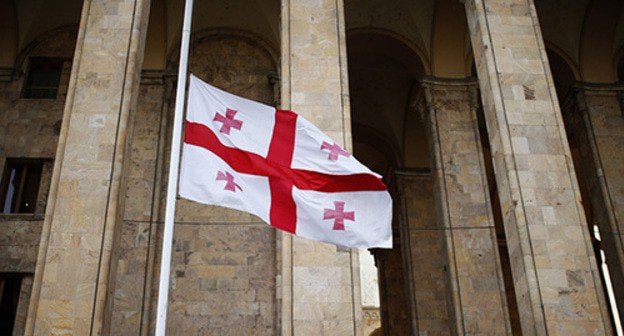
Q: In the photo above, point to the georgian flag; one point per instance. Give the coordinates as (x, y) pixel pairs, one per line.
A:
(274, 164)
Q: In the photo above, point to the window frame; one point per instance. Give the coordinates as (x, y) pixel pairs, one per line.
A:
(37, 64)
(28, 168)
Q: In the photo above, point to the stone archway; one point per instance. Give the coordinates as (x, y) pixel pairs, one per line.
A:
(383, 76)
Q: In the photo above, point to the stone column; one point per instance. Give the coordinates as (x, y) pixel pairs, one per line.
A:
(425, 262)
(320, 291)
(71, 289)
(595, 121)
(554, 269)
(463, 207)
(395, 303)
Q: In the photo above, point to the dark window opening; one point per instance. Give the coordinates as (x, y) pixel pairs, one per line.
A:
(20, 185)
(10, 286)
(44, 75)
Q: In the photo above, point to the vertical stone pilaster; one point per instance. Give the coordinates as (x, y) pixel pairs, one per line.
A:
(136, 279)
(463, 206)
(554, 271)
(425, 262)
(320, 283)
(395, 301)
(595, 118)
(86, 196)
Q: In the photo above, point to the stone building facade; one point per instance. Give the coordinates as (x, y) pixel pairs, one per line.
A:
(498, 126)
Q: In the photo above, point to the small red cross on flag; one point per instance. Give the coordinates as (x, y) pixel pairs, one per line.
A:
(228, 121)
(280, 168)
(339, 215)
(334, 151)
(229, 181)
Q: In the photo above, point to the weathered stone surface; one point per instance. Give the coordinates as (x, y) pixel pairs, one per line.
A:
(314, 84)
(423, 241)
(463, 207)
(223, 280)
(223, 264)
(515, 80)
(372, 320)
(83, 217)
(29, 129)
(19, 242)
(594, 119)
(231, 274)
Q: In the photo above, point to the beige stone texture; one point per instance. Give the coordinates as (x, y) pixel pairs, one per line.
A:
(320, 291)
(223, 263)
(371, 320)
(463, 206)
(105, 159)
(547, 278)
(223, 278)
(395, 310)
(82, 218)
(130, 309)
(30, 129)
(425, 262)
(19, 242)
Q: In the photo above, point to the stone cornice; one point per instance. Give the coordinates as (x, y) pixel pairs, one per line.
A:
(617, 86)
(432, 80)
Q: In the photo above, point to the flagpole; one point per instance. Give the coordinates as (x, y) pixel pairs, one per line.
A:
(172, 183)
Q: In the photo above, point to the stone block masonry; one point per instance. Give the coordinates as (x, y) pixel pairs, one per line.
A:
(320, 292)
(85, 203)
(549, 245)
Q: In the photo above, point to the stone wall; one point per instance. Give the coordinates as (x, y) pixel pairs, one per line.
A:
(395, 298)
(221, 256)
(223, 262)
(130, 312)
(425, 252)
(463, 206)
(19, 242)
(223, 265)
(29, 128)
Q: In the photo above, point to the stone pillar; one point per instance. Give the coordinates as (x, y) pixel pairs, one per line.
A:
(320, 291)
(595, 121)
(71, 289)
(425, 262)
(394, 299)
(554, 269)
(463, 207)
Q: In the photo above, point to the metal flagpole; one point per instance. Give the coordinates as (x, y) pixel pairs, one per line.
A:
(172, 183)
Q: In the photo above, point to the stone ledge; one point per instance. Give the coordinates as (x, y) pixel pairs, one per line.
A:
(21, 217)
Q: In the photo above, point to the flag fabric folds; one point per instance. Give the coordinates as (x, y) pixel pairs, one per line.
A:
(274, 164)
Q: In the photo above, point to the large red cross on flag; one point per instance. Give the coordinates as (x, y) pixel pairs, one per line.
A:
(248, 156)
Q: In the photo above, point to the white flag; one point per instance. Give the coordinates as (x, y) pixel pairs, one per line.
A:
(245, 155)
